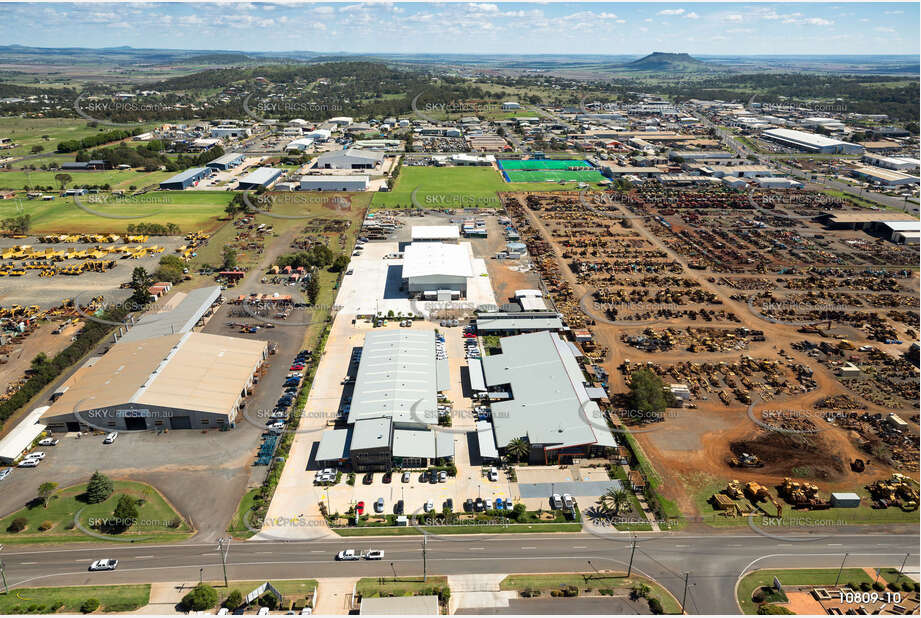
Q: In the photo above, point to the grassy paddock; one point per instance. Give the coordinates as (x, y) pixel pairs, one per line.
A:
(592, 582)
(111, 599)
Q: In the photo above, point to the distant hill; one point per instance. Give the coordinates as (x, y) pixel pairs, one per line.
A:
(668, 63)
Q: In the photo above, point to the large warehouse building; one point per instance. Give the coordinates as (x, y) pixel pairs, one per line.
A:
(149, 380)
(351, 159)
(548, 402)
(335, 183)
(260, 178)
(436, 269)
(811, 142)
(393, 404)
(186, 179)
(227, 161)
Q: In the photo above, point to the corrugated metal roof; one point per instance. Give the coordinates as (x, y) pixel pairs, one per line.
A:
(181, 319)
(477, 381)
(549, 404)
(334, 444)
(21, 436)
(513, 324)
(396, 377)
(261, 176)
(371, 433)
(185, 175)
(486, 440)
(426, 259)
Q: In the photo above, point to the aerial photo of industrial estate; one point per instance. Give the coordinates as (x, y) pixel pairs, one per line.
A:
(436, 308)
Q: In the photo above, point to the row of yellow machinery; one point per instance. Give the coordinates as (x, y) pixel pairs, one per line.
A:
(27, 252)
(92, 238)
(49, 269)
(194, 241)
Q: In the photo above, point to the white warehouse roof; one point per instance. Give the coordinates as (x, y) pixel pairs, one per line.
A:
(435, 232)
(426, 259)
(21, 436)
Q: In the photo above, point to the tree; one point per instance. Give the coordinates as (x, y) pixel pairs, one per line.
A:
(37, 149)
(233, 600)
(44, 492)
(518, 449)
(99, 488)
(140, 283)
(126, 512)
(63, 179)
(647, 394)
(89, 606)
(230, 258)
(339, 264)
(518, 511)
(313, 289)
(200, 598)
(613, 500)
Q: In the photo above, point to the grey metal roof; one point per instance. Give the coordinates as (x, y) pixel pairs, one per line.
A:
(422, 443)
(350, 154)
(371, 433)
(261, 176)
(486, 440)
(477, 381)
(226, 159)
(442, 374)
(185, 175)
(396, 377)
(334, 444)
(487, 324)
(181, 319)
(549, 404)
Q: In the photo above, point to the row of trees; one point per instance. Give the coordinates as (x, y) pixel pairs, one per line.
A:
(98, 139)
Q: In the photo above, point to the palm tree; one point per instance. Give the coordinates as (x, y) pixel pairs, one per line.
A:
(518, 449)
(613, 500)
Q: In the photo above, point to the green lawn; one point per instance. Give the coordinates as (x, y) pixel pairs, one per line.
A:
(154, 523)
(592, 582)
(190, 210)
(402, 587)
(238, 528)
(455, 187)
(435, 530)
(792, 577)
(116, 179)
(28, 132)
(40, 600)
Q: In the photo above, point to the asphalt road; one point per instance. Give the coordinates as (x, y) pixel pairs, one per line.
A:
(714, 560)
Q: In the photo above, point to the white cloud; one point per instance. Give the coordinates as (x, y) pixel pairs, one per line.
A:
(692, 15)
(892, 12)
(884, 29)
(735, 17)
(671, 12)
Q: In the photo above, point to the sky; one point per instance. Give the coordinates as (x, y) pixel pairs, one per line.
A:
(473, 28)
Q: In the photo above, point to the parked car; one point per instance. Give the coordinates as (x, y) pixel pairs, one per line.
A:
(488, 504)
(5, 473)
(568, 501)
(429, 506)
(499, 504)
(398, 508)
(442, 476)
(360, 507)
(48, 442)
(493, 474)
(556, 502)
(468, 505)
(388, 476)
(107, 564)
(406, 477)
(28, 463)
(374, 554)
(478, 505)
(263, 611)
(110, 437)
(368, 478)
(36, 455)
(449, 504)
(379, 505)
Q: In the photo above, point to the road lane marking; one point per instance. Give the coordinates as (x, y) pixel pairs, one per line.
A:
(476, 548)
(529, 547)
(579, 547)
(142, 557)
(681, 545)
(36, 562)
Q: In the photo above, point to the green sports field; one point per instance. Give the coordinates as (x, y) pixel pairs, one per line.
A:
(454, 187)
(541, 164)
(190, 210)
(554, 176)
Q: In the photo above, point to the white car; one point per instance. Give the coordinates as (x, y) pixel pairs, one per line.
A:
(263, 611)
(48, 442)
(36, 455)
(556, 502)
(110, 437)
(107, 564)
(5, 473)
(347, 554)
(429, 506)
(493, 474)
(442, 477)
(28, 463)
(568, 501)
(375, 554)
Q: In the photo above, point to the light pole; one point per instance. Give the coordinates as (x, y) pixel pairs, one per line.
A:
(223, 552)
(685, 595)
(394, 569)
(841, 568)
(632, 551)
(201, 575)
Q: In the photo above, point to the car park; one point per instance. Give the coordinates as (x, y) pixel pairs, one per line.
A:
(106, 564)
(110, 437)
(48, 442)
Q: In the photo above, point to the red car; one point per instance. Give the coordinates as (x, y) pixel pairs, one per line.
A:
(296, 367)
(360, 508)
